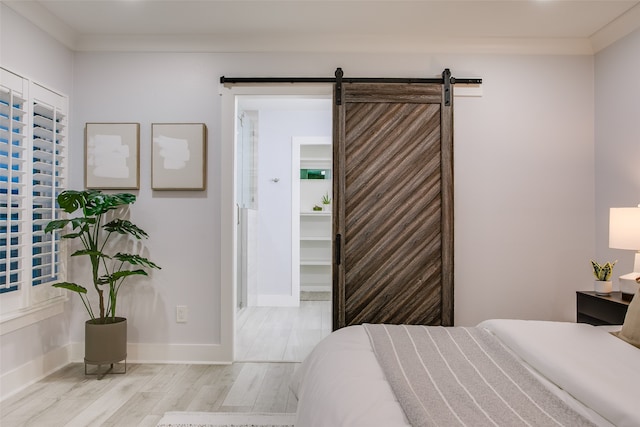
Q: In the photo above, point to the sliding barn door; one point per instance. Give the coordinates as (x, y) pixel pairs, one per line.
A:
(393, 205)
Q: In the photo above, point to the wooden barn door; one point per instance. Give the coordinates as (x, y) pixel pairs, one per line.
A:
(393, 205)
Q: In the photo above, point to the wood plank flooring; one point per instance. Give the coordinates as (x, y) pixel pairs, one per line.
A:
(139, 398)
(286, 334)
(68, 398)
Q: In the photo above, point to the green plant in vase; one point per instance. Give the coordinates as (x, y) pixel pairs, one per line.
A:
(108, 271)
(326, 200)
(603, 272)
(602, 285)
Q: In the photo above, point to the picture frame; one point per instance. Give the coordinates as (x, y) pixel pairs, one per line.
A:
(178, 156)
(112, 156)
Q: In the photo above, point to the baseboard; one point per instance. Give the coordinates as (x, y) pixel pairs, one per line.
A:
(167, 353)
(315, 288)
(33, 371)
(315, 296)
(277, 301)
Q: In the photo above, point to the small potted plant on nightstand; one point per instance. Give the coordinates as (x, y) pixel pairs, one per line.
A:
(602, 285)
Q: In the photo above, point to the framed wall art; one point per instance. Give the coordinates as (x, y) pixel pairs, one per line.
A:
(112, 156)
(178, 156)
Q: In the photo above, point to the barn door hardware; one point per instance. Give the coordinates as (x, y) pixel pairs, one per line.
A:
(446, 80)
(339, 75)
(338, 249)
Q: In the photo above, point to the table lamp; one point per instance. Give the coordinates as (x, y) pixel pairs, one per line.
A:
(624, 233)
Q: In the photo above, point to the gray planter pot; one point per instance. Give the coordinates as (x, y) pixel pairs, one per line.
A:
(105, 343)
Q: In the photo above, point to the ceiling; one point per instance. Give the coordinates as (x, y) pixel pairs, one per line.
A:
(507, 26)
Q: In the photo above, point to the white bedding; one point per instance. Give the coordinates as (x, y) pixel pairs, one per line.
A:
(594, 367)
(341, 383)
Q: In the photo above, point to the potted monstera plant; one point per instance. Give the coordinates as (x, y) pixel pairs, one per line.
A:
(98, 225)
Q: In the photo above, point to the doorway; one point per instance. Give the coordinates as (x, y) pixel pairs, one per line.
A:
(271, 320)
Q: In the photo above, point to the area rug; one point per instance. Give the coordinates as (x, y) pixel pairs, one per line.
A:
(225, 419)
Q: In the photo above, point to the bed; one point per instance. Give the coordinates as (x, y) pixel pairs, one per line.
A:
(551, 373)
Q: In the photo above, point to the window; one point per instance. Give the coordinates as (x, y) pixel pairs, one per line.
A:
(32, 173)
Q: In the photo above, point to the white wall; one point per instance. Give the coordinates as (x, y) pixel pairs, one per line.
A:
(523, 181)
(277, 127)
(523, 188)
(183, 226)
(524, 177)
(49, 63)
(617, 141)
(28, 51)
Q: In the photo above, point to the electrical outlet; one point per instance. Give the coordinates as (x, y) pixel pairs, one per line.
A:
(181, 314)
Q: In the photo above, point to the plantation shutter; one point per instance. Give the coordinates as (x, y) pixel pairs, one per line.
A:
(14, 182)
(49, 138)
(32, 170)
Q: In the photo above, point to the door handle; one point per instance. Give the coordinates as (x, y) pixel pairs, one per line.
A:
(338, 248)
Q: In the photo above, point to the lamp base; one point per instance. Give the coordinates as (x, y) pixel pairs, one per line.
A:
(628, 285)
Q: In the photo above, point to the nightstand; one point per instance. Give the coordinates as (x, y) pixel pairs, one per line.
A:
(600, 309)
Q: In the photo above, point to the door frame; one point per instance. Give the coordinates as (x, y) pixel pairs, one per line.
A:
(228, 184)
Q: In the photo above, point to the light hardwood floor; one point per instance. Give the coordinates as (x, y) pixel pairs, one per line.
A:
(140, 397)
(281, 333)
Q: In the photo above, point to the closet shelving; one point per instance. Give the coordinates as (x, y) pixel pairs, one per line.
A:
(315, 226)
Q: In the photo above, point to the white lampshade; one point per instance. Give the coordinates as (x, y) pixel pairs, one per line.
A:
(624, 228)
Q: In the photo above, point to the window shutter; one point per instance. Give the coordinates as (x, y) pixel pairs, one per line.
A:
(32, 170)
(48, 171)
(48, 128)
(14, 182)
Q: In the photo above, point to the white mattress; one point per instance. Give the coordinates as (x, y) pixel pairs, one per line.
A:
(341, 384)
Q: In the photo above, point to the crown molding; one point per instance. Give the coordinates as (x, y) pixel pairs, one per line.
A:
(616, 29)
(43, 19)
(323, 43)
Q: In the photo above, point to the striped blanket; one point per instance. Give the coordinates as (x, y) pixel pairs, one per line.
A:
(460, 376)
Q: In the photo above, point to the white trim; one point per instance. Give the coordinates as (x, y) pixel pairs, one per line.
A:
(23, 318)
(228, 223)
(278, 300)
(46, 21)
(162, 353)
(33, 371)
(327, 43)
(467, 91)
(324, 43)
(316, 288)
(29, 304)
(616, 29)
(295, 217)
(176, 353)
(228, 220)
